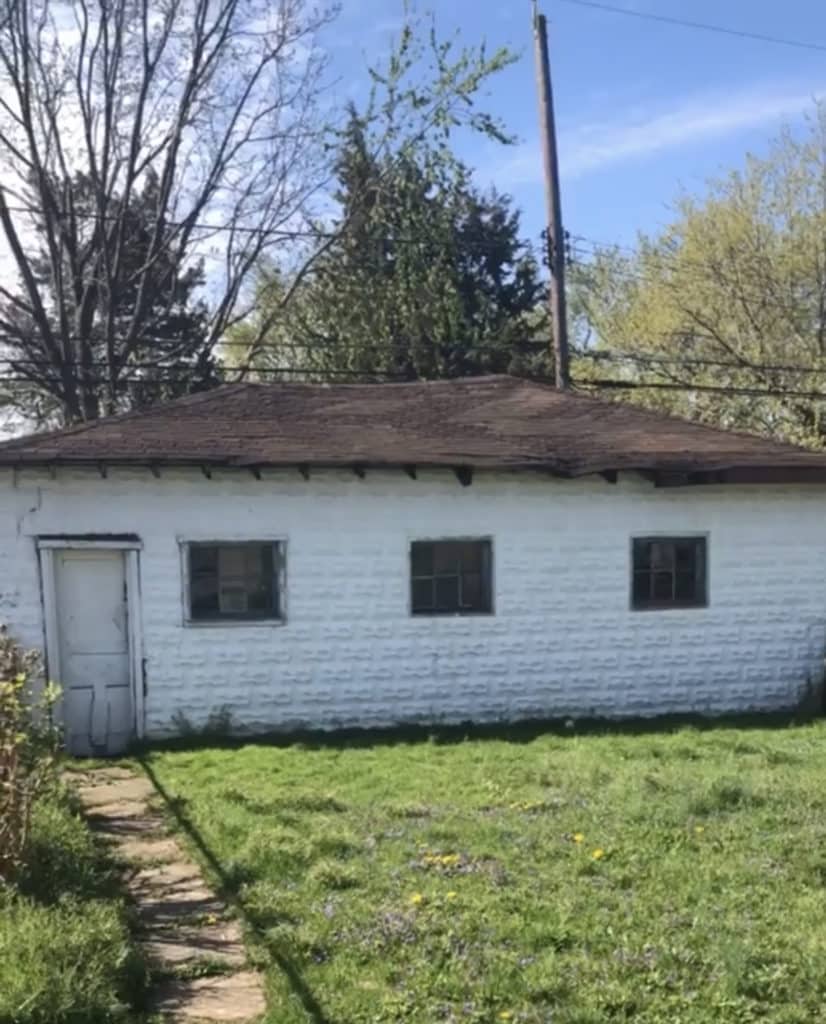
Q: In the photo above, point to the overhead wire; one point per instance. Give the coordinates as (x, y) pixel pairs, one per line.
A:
(721, 389)
(641, 359)
(704, 26)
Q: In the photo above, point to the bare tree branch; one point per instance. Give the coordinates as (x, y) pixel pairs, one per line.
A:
(208, 107)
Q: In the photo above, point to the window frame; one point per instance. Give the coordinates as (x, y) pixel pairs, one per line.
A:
(279, 545)
(703, 539)
(484, 539)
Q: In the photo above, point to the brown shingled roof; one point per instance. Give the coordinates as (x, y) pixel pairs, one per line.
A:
(483, 422)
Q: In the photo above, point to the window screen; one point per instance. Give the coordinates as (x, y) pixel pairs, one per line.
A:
(234, 581)
(669, 572)
(450, 577)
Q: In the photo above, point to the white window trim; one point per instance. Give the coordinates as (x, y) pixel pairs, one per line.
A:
(228, 623)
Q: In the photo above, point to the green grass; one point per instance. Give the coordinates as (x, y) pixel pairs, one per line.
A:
(65, 952)
(675, 878)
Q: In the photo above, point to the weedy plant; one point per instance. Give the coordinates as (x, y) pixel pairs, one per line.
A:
(29, 742)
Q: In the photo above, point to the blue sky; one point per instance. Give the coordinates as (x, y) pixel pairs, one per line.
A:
(643, 109)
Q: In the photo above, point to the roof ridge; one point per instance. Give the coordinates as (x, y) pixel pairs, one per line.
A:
(470, 379)
(120, 417)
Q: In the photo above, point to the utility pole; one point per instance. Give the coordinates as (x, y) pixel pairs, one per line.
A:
(556, 236)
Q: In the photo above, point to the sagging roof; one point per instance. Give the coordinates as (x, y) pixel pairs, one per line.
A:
(481, 422)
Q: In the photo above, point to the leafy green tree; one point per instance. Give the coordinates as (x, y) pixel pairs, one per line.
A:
(422, 274)
(731, 297)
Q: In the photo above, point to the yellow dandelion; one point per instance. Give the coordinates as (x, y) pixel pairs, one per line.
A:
(452, 895)
(699, 829)
(598, 854)
(505, 1015)
(578, 837)
(416, 899)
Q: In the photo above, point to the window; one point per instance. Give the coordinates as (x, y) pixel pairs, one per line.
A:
(235, 581)
(450, 577)
(669, 572)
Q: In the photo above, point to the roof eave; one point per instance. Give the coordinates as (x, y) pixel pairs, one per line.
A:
(665, 474)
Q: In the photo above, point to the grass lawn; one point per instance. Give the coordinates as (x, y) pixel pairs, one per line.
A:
(65, 952)
(669, 877)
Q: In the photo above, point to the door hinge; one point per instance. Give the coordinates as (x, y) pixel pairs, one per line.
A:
(143, 676)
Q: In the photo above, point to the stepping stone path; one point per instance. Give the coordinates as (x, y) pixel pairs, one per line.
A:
(182, 925)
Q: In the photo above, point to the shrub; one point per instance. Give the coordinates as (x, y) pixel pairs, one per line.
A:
(28, 748)
(66, 956)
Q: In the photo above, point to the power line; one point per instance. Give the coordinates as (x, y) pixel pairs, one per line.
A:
(612, 356)
(377, 377)
(308, 371)
(597, 355)
(702, 25)
(719, 389)
(386, 235)
(517, 345)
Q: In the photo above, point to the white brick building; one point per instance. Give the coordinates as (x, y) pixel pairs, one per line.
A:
(478, 550)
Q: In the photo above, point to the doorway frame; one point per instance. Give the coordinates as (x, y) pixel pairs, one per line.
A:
(130, 547)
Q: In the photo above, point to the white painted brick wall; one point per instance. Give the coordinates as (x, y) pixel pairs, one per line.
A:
(562, 641)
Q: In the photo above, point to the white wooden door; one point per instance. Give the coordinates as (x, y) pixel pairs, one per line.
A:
(91, 608)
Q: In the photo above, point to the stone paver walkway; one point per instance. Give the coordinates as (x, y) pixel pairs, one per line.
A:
(193, 947)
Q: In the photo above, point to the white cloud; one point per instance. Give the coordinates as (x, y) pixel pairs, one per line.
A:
(640, 132)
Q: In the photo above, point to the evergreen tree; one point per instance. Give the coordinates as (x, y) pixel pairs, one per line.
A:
(427, 278)
(169, 357)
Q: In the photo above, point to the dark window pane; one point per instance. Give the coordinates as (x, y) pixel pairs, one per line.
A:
(203, 559)
(661, 558)
(267, 553)
(262, 598)
(233, 581)
(642, 589)
(422, 595)
(232, 599)
(686, 556)
(472, 556)
(662, 587)
(204, 598)
(668, 572)
(642, 556)
(472, 591)
(446, 558)
(450, 576)
(447, 593)
(421, 559)
(685, 588)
